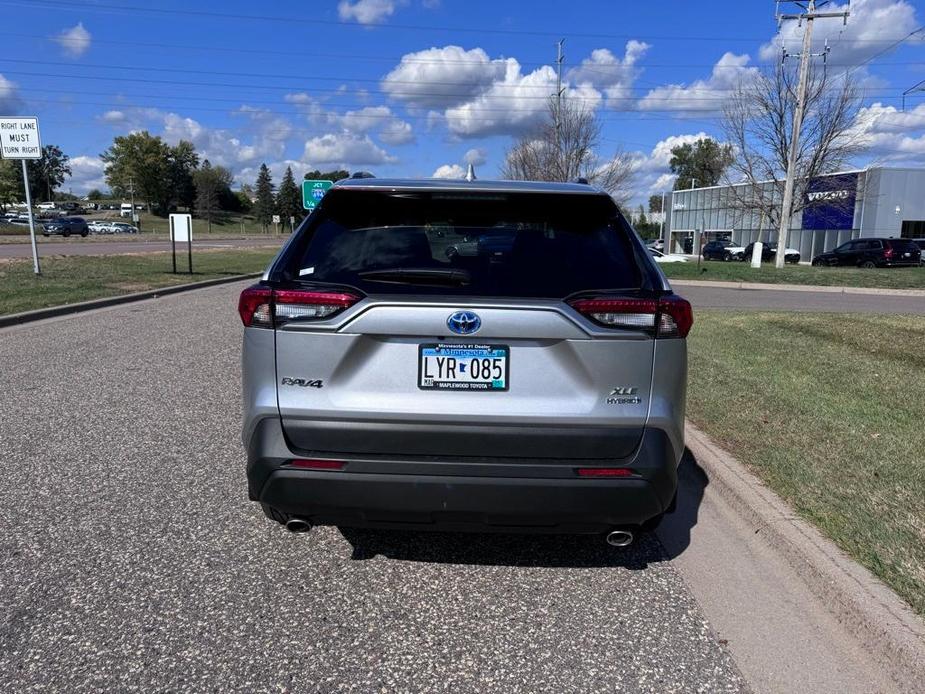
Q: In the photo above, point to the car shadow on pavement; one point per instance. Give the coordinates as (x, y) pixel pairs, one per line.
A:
(551, 551)
(675, 531)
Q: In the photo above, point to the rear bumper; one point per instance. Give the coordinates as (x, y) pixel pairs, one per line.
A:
(504, 494)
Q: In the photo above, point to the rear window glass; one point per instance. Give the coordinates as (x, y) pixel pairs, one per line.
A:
(902, 245)
(517, 245)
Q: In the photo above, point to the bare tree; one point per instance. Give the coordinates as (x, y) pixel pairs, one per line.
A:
(757, 122)
(570, 152)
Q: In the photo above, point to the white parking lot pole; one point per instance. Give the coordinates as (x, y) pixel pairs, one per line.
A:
(35, 249)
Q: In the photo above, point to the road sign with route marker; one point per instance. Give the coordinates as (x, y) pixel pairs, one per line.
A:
(313, 191)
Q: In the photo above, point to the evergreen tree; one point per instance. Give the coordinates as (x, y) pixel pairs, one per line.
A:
(265, 204)
(289, 200)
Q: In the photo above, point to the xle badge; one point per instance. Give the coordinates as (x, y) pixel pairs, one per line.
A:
(623, 396)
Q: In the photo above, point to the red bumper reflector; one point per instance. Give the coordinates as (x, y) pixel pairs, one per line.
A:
(317, 464)
(604, 472)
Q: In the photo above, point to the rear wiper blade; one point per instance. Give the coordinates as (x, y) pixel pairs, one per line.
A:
(419, 275)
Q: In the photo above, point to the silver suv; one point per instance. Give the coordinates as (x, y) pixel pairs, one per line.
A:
(465, 356)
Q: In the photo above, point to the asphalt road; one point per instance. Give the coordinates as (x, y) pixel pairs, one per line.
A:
(756, 299)
(132, 560)
(116, 247)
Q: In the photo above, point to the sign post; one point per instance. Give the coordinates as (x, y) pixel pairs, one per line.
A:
(19, 139)
(313, 191)
(276, 223)
(181, 229)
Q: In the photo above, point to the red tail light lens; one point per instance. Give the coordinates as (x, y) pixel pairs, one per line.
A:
(675, 317)
(604, 472)
(670, 316)
(312, 464)
(254, 307)
(888, 250)
(261, 307)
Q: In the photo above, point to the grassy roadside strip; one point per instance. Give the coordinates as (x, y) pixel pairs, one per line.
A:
(885, 278)
(828, 411)
(81, 278)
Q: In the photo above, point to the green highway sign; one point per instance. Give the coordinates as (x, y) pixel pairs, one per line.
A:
(313, 191)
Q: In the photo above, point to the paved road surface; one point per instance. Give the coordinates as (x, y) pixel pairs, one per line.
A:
(750, 299)
(132, 561)
(115, 247)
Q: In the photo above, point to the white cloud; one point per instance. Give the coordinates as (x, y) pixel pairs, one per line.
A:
(392, 129)
(701, 95)
(442, 77)
(475, 156)
(346, 149)
(892, 135)
(653, 173)
(87, 173)
(872, 26)
(366, 11)
(74, 41)
(511, 105)
(114, 116)
(474, 95)
(449, 171)
(396, 132)
(9, 99)
(613, 75)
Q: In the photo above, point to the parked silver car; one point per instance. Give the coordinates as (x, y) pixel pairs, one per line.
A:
(535, 385)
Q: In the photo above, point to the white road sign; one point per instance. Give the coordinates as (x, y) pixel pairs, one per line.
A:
(276, 219)
(19, 138)
(181, 227)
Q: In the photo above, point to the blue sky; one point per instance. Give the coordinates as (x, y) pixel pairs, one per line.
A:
(422, 87)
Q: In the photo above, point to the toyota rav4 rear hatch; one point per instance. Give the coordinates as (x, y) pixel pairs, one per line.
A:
(453, 324)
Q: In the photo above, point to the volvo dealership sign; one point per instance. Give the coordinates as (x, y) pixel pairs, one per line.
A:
(830, 202)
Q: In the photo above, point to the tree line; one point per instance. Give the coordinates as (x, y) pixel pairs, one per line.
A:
(167, 178)
(164, 178)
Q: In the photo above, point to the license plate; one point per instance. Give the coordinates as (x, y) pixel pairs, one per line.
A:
(463, 367)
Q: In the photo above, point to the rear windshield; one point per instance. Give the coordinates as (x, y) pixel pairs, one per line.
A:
(516, 244)
(902, 245)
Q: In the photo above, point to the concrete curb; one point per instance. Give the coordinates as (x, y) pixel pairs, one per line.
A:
(66, 309)
(881, 622)
(798, 288)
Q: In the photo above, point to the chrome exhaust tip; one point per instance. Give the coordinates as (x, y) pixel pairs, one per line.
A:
(298, 525)
(619, 538)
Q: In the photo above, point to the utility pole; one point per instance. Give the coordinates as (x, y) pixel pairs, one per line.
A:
(808, 15)
(559, 59)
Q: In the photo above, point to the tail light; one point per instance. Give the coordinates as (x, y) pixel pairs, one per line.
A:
(669, 316)
(261, 307)
(888, 250)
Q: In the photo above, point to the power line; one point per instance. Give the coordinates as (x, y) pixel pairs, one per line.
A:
(398, 94)
(402, 59)
(171, 12)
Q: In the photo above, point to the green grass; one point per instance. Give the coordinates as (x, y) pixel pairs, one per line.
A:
(80, 278)
(829, 410)
(888, 278)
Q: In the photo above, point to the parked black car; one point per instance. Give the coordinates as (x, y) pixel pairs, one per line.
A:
(721, 249)
(769, 252)
(66, 226)
(872, 253)
(921, 244)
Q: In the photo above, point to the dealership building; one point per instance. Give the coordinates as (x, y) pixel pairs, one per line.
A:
(873, 202)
